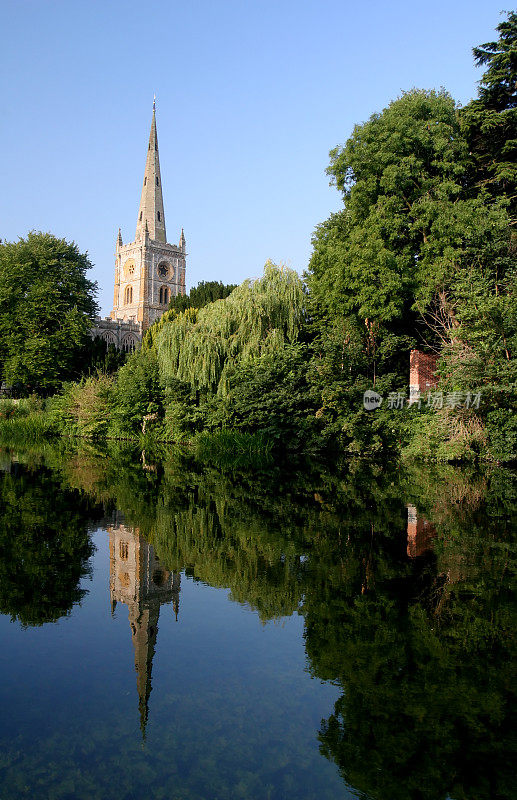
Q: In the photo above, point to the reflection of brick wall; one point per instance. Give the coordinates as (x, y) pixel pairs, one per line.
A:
(422, 371)
(420, 534)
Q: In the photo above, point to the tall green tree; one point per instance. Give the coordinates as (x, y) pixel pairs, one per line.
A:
(490, 121)
(409, 221)
(418, 253)
(47, 305)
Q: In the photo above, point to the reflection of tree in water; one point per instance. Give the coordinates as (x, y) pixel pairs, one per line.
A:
(419, 641)
(424, 657)
(44, 546)
(413, 622)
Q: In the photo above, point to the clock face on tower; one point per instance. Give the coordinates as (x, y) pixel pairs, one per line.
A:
(163, 270)
(129, 268)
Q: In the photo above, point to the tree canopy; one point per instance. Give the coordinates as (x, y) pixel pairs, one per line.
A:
(490, 121)
(409, 220)
(47, 305)
(202, 294)
(200, 348)
(421, 255)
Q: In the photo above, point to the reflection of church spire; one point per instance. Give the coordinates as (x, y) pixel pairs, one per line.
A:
(144, 628)
(138, 580)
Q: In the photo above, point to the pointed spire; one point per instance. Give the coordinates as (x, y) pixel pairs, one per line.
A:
(182, 243)
(151, 212)
(119, 238)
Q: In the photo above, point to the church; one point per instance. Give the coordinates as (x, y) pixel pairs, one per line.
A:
(148, 271)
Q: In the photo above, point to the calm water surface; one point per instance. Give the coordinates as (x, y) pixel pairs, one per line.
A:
(182, 631)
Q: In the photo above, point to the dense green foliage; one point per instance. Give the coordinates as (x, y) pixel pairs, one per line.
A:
(201, 295)
(490, 121)
(257, 318)
(102, 357)
(47, 305)
(236, 363)
(206, 359)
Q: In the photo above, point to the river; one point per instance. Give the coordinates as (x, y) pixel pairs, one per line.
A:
(188, 631)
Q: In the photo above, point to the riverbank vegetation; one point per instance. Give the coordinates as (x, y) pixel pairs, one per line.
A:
(421, 255)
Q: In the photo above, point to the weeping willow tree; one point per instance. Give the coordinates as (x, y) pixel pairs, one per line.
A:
(201, 348)
(151, 335)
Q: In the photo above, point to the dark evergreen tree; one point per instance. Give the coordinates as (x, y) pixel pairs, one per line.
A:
(490, 121)
(202, 294)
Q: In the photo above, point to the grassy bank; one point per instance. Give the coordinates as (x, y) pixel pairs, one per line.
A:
(24, 420)
(33, 427)
(241, 449)
(28, 421)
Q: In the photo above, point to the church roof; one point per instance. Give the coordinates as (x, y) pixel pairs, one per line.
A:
(151, 213)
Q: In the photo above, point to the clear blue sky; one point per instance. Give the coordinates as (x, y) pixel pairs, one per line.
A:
(250, 98)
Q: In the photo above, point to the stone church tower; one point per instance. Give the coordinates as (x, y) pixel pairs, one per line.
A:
(148, 271)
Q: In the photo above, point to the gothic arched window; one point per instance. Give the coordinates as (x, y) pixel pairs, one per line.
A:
(128, 295)
(128, 344)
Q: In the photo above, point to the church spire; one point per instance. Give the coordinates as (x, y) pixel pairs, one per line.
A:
(151, 211)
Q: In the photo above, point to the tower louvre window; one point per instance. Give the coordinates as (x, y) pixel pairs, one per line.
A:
(145, 181)
(159, 218)
(157, 182)
(140, 217)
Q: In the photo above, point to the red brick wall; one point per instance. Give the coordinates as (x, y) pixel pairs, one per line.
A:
(422, 370)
